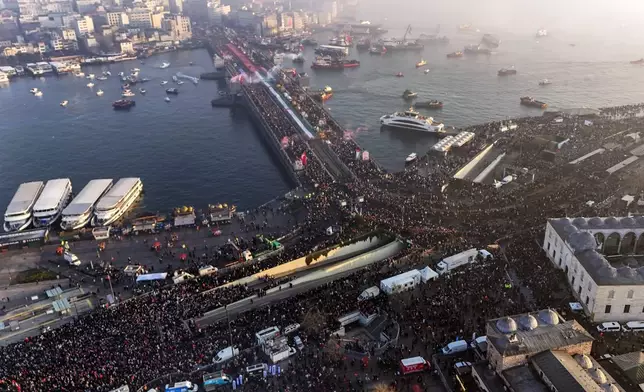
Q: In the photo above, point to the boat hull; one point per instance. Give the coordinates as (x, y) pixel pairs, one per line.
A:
(387, 123)
(46, 221)
(121, 211)
(79, 224)
(21, 226)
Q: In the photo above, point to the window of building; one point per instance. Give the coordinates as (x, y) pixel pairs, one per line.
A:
(629, 294)
(572, 282)
(548, 245)
(581, 278)
(590, 286)
(579, 290)
(611, 294)
(627, 308)
(642, 309)
(587, 300)
(607, 310)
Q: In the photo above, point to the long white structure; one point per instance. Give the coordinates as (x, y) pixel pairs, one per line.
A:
(117, 201)
(402, 282)
(79, 212)
(18, 214)
(284, 105)
(609, 289)
(52, 200)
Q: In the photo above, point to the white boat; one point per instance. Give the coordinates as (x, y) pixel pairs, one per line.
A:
(99, 92)
(52, 200)
(164, 82)
(411, 119)
(33, 90)
(101, 78)
(179, 82)
(121, 73)
(64, 103)
(38, 93)
(411, 157)
(127, 93)
(142, 91)
(80, 74)
(542, 33)
(426, 71)
(174, 78)
(164, 65)
(81, 209)
(18, 214)
(117, 201)
(167, 99)
(90, 84)
(135, 70)
(91, 76)
(545, 82)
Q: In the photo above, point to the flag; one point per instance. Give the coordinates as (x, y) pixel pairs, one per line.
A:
(357, 154)
(303, 158)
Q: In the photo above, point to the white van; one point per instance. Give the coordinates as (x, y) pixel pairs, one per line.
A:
(291, 328)
(298, 343)
(609, 326)
(455, 347)
(226, 354)
(633, 326)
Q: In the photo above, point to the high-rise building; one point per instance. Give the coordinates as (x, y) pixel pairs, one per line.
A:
(157, 20)
(140, 17)
(178, 27)
(85, 6)
(83, 25)
(118, 18)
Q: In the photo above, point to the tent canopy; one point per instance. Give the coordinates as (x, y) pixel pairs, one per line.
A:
(147, 277)
(428, 274)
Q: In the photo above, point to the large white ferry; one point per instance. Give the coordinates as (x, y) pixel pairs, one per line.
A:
(80, 211)
(52, 200)
(18, 214)
(411, 119)
(117, 201)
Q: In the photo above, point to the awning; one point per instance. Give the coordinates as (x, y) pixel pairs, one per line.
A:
(147, 277)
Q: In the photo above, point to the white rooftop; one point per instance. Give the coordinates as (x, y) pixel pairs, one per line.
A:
(86, 199)
(117, 193)
(24, 197)
(52, 194)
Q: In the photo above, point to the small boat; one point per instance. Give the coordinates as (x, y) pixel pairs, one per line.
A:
(121, 73)
(127, 93)
(455, 55)
(421, 63)
(33, 90)
(99, 92)
(164, 65)
(172, 90)
(529, 101)
(433, 104)
(299, 59)
(91, 76)
(638, 62)
(107, 73)
(101, 78)
(164, 82)
(180, 82)
(142, 91)
(64, 103)
(327, 89)
(426, 71)
(399, 75)
(90, 84)
(545, 82)
(174, 78)
(167, 99)
(38, 93)
(411, 157)
(408, 94)
(191, 63)
(144, 80)
(123, 104)
(377, 50)
(507, 71)
(135, 70)
(81, 74)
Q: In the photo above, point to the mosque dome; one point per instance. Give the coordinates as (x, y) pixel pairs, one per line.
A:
(598, 376)
(528, 322)
(584, 361)
(596, 221)
(549, 317)
(506, 325)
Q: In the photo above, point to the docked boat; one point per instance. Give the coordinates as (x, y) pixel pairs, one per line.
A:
(377, 50)
(142, 91)
(90, 84)
(81, 209)
(54, 197)
(101, 78)
(433, 104)
(455, 55)
(309, 42)
(164, 65)
(91, 76)
(507, 71)
(334, 64)
(64, 103)
(476, 49)
(38, 93)
(117, 201)
(433, 39)
(127, 93)
(408, 94)
(19, 212)
(412, 120)
(123, 104)
(529, 101)
(299, 59)
(80, 74)
(167, 99)
(411, 157)
(399, 75)
(100, 92)
(174, 78)
(172, 90)
(163, 83)
(421, 63)
(544, 82)
(542, 33)
(33, 90)
(180, 82)
(638, 62)
(363, 44)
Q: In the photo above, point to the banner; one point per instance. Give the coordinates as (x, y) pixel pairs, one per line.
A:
(303, 158)
(365, 155)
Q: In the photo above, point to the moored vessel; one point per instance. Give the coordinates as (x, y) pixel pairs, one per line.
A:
(411, 157)
(379, 50)
(408, 94)
(411, 120)
(117, 201)
(123, 104)
(542, 33)
(54, 197)
(421, 63)
(81, 209)
(433, 104)
(529, 101)
(544, 82)
(455, 55)
(172, 90)
(19, 212)
(507, 71)
(334, 64)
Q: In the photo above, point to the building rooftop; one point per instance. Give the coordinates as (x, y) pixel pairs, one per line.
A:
(632, 365)
(490, 380)
(523, 378)
(576, 233)
(574, 374)
(532, 333)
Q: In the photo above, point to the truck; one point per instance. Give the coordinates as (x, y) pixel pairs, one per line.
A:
(413, 365)
(371, 292)
(226, 354)
(399, 283)
(71, 258)
(212, 381)
(183, 386)
(450, 263)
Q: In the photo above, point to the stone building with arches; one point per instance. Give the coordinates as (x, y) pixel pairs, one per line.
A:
(603, 259)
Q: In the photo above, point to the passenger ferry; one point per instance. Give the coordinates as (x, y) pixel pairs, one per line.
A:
(52, 200)
(80, 211)
(411, 119)
(117, 201)
(18, 214)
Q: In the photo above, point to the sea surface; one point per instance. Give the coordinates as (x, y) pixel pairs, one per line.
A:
(189, 153)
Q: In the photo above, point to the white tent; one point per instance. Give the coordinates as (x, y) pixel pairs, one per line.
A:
(427, 274)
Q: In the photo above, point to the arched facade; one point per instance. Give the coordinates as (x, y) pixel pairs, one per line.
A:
(626, 241)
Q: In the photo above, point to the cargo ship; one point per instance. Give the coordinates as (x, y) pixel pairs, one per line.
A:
(433, 104)
(507, 71)
(491, 40)
(455, 55)
(123, 104)
(476, 49)
(326, 63)
(529, 101)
